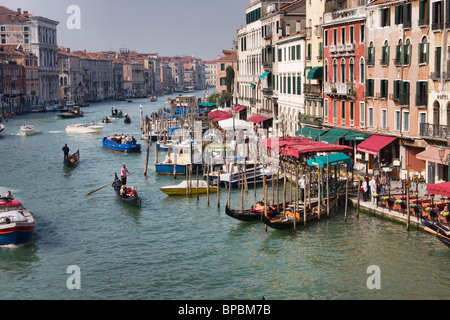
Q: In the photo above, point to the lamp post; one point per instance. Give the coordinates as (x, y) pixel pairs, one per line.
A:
(233, 112)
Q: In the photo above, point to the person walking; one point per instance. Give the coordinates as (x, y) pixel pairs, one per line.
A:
(365, 189)
(123, 174)
(302, 182)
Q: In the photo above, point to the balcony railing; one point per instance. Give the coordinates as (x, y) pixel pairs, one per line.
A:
(435, 75)
(315, 89)
(434, 130)
(349, 47)
(338, 88)
(332, 48)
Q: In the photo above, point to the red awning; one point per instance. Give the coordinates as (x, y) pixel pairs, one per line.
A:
(374, 144)
(257, 118)
(442, 189)
(432, 154)
(218, 115)
(238, 108)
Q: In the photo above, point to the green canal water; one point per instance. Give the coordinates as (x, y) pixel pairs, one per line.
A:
(178, 247)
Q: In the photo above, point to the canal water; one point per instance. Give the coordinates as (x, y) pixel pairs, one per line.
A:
(178, 247)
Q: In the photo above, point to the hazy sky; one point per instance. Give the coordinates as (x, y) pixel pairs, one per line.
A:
(201, 28)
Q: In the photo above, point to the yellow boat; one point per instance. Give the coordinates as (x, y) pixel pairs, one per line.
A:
(181, 189)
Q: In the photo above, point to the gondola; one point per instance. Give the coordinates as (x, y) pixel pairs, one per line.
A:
(127, 119)
(252, 214)
(285, 222)
(131, 200)
(442, 232)
(72, 160)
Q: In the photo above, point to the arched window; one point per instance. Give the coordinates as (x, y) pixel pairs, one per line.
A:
(436, 117)
(326, 70)
(61, 81)
(65, 81)
(385, 54)
(407, 52)
(343, 71)
(423, 50)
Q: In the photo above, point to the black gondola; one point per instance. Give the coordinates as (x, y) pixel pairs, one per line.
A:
(127, 119)
(282, 222)
(252, 214)
(131, 200)
(72, 160)
(442, 232)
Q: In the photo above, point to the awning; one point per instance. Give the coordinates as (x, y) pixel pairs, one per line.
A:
(218, 115)
(257, 118)
(333, 160)
(237, 108)
(374, 144)
(316, 73)
(333, 135)
(442, 189)
(264, 75)
(358, 136)
(432, 155)
(252, 85)
(310, 133)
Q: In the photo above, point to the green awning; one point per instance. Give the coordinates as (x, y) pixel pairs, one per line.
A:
(310, 133)
(316, 73)
(333, 160)
(333, 135)
(358, 136)
(264, 75)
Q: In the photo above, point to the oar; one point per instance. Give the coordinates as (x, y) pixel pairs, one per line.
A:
(106, 185)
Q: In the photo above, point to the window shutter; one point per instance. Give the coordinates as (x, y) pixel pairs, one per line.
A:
(420, 52)
(397, 15)
(388, 50)
(428, 52)
(383, 17)
(438, 59)
(418, 87)
(409, 56)
(299, 84)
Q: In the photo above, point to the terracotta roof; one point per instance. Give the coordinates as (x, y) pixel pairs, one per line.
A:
(8, 15)
(378, 2)
(291, 4)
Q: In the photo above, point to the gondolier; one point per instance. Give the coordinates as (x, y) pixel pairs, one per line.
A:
(65, 149)
(123, 174)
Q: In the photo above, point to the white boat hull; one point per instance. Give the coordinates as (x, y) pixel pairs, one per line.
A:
(79, 128)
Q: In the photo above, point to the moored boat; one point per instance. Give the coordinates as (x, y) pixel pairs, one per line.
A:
(27, 130)
(441, 231)
(288, 217)
(182, 188)
(254, 213)
(121, 143)
(73, 159)
(84, 128)
(128, 196)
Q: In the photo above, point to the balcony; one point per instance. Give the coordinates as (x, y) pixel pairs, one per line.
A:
(332, 49)
(430, 130)
(435, 75)
(340, 48)
(349, 47)
(339, 89)
(312, 89)
(267, 91)
(308, 32)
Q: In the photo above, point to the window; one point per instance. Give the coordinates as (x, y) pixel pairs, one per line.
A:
(326, 70)
(319, 57)
(403, 15)
(361, 33)
(370, 54)
(299, 85)
(343, 112)
(437, 20)
(343, 71)
(222, 66)
(361, 71)
(423, 50)
(334, 111)
(362, 114)
(223, 81)
(334, 70)
(351, 69)
(383, 118)
(404, 93)
(385, 17)
(437, 61)
(279, 55)
(325, 110)
(370, 117)
(421, 93)
(297, 49)
(422, 122)
(398, 52)
(334, 36)
(308, 54)
(383, 88)
(406, 53)
(406, 121)
(352, 34)
(352, 112)
(325, 38)
(385, 54)
(396, 94)
(343, 35)
(397, 120)
(3, 38)
(423, 13)
(369, 87)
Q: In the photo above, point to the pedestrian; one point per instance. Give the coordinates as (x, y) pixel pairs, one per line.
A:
(383, 184)
(365, 189)
(123, 174)
(373, 189)
(65, 149)
(302, 182)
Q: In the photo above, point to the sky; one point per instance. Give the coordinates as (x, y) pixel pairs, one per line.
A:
(199, 28)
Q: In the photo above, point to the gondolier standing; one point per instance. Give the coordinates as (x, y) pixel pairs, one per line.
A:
(65, 149)
(123, 174)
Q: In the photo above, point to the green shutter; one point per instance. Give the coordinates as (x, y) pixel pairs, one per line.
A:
(397, 15)
(428, 52)
(438, 59)
(418, 87)
(279, 55)
(420, 51)
(388, 50)
(297, 47)
(299, 85)
(383, 17)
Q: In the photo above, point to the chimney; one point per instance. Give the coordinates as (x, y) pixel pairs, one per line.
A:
(288, 29)
(297, 26)
(19, 11)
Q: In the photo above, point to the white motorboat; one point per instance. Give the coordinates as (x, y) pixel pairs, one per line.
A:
(182, 188)
(84, 128)
(27, 130)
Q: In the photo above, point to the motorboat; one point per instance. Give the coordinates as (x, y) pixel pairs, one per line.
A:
(17, 224)
(84, 128)
(121, 143)
(27, 130)
(182, 188)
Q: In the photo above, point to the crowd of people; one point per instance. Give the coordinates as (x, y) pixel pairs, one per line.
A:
(373, 185)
